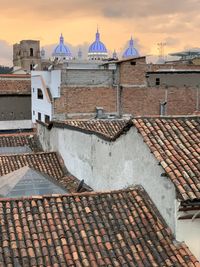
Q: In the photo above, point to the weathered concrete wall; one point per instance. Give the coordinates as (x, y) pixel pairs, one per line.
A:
(179, 79)
(85, 77)
(17, 124)
(15, 107)
(189, 232)
(112, 165)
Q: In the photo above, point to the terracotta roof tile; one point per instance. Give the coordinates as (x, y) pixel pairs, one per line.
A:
(48, 163)
(175, 143)
(106, 129)
(21, 139)
(119, 228)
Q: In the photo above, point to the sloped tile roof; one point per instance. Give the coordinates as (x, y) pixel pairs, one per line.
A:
(20, 140)
(44, 162)
(175, 142)
(120, 228)
(15, 86)
(106, 129)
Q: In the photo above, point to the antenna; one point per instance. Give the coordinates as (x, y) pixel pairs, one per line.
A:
(161, 50)
(50, 67)
(35, 66)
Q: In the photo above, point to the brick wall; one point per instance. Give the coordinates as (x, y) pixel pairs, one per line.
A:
(85, 99)
(133, 74)
(146, 101)
(136, 101)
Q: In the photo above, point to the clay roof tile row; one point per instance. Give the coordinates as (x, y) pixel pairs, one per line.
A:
(175, 142)
(120, 228)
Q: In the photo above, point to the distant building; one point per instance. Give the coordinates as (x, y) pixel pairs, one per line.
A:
(26, 55)
(131, 51)
(62, 52)
(15, 101)
(97, 50)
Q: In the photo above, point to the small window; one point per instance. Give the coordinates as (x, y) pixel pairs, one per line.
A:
(39, 94)
(33, 90)
(39, 116)
(157, 81)
(33, 112)
(47, 118)
(31, 52)
(31, 66)
(133, 63)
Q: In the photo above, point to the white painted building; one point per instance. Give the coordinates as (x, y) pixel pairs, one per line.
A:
(127, 161)
(45, 86)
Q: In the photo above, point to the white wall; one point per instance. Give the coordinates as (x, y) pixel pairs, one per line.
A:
(189, 232)
(43, 106)
(43, 80)
(113, 165)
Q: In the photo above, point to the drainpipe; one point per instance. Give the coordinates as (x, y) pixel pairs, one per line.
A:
(197, 99)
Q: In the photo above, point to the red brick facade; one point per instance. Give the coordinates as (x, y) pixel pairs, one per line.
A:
(84, 100)
(133, 74)
(136, 101)
(135, 97)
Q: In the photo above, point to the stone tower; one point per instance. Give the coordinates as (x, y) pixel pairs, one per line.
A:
(26, 55)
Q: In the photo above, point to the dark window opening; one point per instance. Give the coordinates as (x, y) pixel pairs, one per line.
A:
(31, 52)
(47, 119)
(157, 81)
(133, 63)
(39, 94)
(39, 116)
(33, 112)
(31, 67)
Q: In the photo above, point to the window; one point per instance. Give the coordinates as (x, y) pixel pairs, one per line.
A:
(39, 116)
(47, 119)
(33, 112)
(33, 90)
(39, 94)
(133, 63)
(157, 81)
(31, 52)
(31, 66)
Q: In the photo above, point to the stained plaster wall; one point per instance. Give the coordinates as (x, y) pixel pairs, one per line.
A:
(113, 165)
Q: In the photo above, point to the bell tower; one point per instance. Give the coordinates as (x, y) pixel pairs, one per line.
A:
(26, 55)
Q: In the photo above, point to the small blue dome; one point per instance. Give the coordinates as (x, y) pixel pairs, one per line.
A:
(131, 51)
(62, 50)
(97, 46)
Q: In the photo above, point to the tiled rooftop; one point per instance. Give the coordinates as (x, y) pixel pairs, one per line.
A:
(20, 140)
(120, 228)
(175, 142)
(15, 86)
(44, 162)
(107, 129)
(48, 163)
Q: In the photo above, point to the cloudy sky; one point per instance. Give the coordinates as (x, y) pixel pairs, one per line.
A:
(174, 22)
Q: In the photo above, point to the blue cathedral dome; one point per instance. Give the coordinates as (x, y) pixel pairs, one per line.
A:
(97, 48)
(131, 51)
(62, 50)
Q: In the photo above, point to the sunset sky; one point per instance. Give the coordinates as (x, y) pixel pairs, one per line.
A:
(176, 23)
